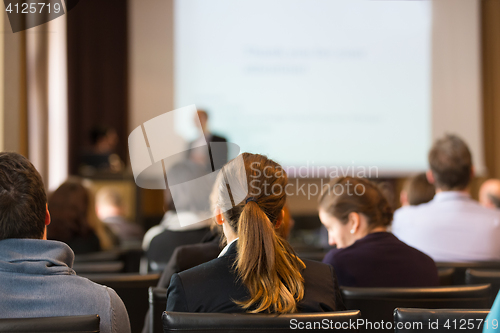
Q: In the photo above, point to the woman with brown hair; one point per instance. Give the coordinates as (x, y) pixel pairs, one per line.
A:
(356, 215)
(257, 271)
(73, 219)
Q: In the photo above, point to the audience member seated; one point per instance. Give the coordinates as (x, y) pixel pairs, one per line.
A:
(102, 155)
(191, 205)
(188, 256)
(36, 279)
(451, 227)
(257, 271)
(356, 215)
(489, 193)
(417, 190)
(69, 206)
(109, 209)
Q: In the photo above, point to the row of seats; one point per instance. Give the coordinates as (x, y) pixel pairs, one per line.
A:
(133, 290)
(112, 261)
(376, 305)
(405, 320)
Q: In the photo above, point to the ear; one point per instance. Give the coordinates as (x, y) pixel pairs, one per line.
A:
(430, 177)
(354, 221)
(47, 214)
(219, 218)
(279, 220)
(472, 173)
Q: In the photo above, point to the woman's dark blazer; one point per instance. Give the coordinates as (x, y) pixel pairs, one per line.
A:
(212, 287)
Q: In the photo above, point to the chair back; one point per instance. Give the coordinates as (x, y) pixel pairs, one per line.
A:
(180, 322)
(157, 304)
(446, 275)
(133, 290)
(377, 304)
(439, 321)
(130, 258)
(67, 324)
(476, 276)
(111, 255)
(461, 267)
(99, 267)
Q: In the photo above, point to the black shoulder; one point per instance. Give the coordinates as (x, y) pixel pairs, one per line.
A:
(218, 138)
(176, 296)
(213, 267)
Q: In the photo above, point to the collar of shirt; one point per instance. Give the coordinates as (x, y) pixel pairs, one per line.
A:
(450, 195)
(35, 256)
(224, 250)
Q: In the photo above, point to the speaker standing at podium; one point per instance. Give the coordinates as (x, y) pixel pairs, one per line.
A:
(200, 154)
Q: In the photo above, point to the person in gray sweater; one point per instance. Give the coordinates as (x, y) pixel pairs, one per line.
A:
(36, 278)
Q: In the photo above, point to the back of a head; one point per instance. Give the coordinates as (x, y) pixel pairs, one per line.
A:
(22, 198)
(451, 163)
(69, 208)
(419, 190)
(489, 193)
(265, 263)
(97, 133)
(346, 195)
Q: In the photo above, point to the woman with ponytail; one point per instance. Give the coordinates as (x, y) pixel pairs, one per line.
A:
(257, 271)
(357, 215)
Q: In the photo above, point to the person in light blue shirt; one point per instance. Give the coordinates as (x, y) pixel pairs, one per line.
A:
(492, 322)
(452, 227)
(36, 278)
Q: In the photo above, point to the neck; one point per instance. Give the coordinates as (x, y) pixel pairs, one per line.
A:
(229, 233)
(378, 229)
(464, 191)
(230, 239)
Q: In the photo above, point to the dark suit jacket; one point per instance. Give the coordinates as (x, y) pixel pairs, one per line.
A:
(212, 287)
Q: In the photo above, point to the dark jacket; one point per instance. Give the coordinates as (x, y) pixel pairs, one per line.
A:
(212, 287)
(381, 260)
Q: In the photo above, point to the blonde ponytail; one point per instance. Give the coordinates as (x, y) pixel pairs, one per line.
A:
(266, 265)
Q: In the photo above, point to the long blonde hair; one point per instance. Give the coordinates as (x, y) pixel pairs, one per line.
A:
(265, 263)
